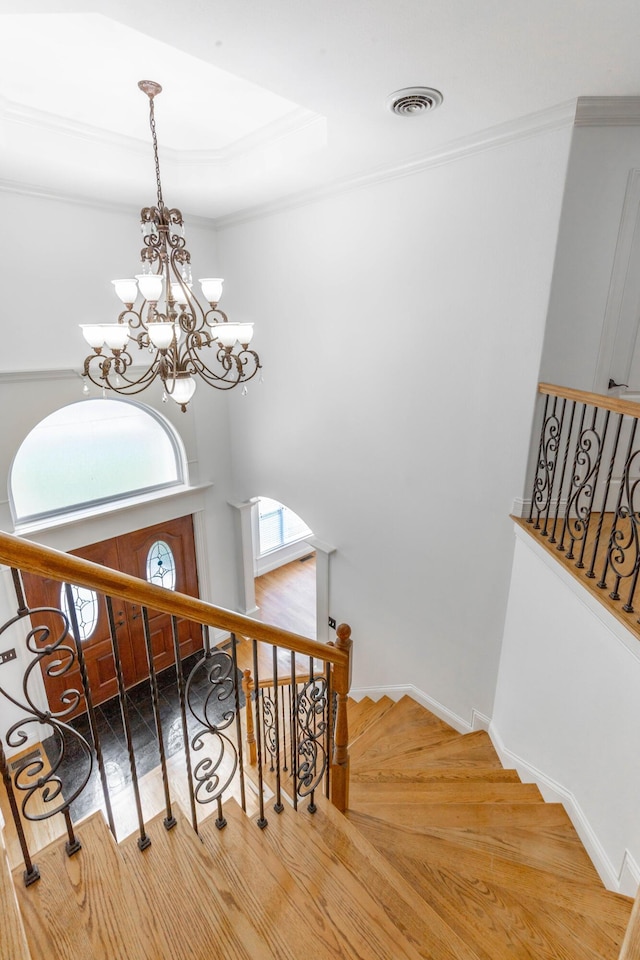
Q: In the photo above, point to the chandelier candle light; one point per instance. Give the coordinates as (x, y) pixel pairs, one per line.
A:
(170, 323)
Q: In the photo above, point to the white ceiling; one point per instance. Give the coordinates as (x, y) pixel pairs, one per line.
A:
(265, 100)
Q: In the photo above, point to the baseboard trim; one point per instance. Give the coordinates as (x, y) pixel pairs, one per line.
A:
(627, 878)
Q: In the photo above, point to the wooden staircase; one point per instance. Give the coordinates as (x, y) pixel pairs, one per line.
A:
(443, 856)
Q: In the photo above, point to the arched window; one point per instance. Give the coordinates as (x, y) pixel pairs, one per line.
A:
(278, 526)
(90, 453)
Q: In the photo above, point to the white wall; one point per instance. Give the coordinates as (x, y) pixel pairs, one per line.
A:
(400, 327)
(567, 711)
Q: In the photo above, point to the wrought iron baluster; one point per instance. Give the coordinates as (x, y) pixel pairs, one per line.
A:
(553, 464)
(615, 534)
(284, 727)
(91, 714)
(329, 743)
(605, 496)
(566, 445)
(213, 774)
(540, 477)
(144, 840)
(169, 820)
(278, 806)
(312, 796)
(236, 687)
(574, 469)
(183, 718)
(36, 777)
(602, 438)
(294, 730)
(262, 821)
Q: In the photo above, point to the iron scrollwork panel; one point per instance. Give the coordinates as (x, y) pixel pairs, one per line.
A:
(580, 502)
(211, 695)
(47, 786)
(546, 464)
(311, 713)
(624, 545)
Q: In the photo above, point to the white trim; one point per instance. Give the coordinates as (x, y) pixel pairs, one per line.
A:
(282, 555)
(543, 121)
(182, 491)
(624, 880)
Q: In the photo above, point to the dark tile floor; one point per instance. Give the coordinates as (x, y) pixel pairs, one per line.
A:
(118, 769)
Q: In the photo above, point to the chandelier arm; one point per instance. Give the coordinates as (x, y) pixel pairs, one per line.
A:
(244, 366)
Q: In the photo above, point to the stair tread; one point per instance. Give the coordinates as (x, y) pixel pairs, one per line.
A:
(472, 749)
(243, 860)
(436, 773)
(80, 906)
(362, 795)
(177, 869)
(363, 713)
(401, 733)
(500, 907)
(527, 882)
(540, 836)
(375, 877)
(345, 907)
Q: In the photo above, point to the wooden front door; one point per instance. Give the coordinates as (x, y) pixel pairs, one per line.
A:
(163, 554)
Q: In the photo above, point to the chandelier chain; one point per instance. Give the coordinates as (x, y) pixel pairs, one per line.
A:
(152, 124)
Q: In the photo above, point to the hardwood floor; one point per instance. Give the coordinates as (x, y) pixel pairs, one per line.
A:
(287, 597)
(438, 859)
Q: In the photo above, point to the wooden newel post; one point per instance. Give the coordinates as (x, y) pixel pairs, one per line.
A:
(341, 686)
(247, 686)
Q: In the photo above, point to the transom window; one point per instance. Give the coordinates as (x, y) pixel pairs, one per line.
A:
(90, 453)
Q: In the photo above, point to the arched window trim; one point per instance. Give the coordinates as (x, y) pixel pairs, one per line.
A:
(95, 507)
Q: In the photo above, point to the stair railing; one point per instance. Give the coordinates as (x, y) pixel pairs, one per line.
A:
(585, 495)
(311, 716)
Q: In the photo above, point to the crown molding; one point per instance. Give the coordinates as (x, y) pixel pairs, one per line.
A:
(289, 125)
(95, 203)
(554, 118)
(607, 112)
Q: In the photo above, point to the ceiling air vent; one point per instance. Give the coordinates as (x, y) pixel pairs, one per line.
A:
(413, 101)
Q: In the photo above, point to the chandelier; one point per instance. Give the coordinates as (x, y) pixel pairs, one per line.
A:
(170, 323)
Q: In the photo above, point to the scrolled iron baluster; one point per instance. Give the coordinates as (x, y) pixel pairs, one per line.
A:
(624, 549)
(40, 782)
(586, 463)
(566, 445)
(614, 537)
(605, 497)
(269, 726)
(311, 712)
(543, 480)
(217, 668)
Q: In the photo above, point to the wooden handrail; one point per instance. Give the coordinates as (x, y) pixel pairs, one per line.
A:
(46, 562)
(614, 404)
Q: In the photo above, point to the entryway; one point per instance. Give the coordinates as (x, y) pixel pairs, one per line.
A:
(163, 554)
